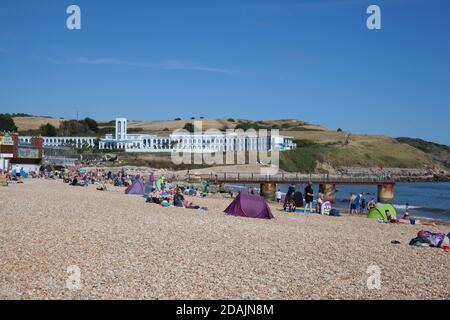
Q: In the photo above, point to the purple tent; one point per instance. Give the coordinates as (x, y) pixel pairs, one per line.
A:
(137, 187)
(249, 205)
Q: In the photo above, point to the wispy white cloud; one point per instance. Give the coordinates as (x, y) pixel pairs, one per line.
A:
(165, 65)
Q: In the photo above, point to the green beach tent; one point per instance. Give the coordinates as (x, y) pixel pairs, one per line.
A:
(379, 212)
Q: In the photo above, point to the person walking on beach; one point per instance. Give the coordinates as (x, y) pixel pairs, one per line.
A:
(363, 202)
(357, 203)
(352, 203)
(309, 197)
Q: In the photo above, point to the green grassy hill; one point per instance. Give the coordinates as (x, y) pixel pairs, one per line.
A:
(319, 149)
(363, 151)
(436, 152)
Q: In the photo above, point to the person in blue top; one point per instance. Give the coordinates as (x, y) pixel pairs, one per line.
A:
(357, 203)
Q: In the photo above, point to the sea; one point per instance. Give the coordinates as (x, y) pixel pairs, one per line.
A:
(429, 200)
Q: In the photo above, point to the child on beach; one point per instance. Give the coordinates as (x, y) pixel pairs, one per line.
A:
(278, 195)
(320, 201)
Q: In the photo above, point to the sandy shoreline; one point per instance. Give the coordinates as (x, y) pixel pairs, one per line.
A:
(127, 249)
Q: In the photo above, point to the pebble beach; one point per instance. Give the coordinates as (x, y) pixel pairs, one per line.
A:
(125, 248)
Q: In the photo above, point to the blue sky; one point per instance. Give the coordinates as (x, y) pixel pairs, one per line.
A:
(310, 60)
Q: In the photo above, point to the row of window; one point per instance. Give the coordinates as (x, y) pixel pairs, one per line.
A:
(61, 140)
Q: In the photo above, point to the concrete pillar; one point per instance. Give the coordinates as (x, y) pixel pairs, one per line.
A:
(329, 191)
(386, 193)
(268, 190)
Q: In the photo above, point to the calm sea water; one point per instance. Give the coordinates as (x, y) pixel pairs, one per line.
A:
(426, 199)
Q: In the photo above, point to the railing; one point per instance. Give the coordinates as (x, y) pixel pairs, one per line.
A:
(226, 177)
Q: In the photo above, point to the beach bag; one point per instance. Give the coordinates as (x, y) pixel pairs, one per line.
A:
(335, 213)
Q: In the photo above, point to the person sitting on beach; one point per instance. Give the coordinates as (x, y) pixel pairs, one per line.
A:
(74, 181)
(372, 204)
(178, 199)
(153, 197)
(101, 186)
(406, 219)
(288, 197)
(165, 195)
(180, 202)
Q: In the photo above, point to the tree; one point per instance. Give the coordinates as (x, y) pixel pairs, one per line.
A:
(72, 128)
(189, 127)
(339, 130)
(7, 123)
(91, 124)
(47, 130)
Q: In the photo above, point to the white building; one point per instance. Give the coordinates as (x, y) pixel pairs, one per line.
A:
(176, 142)
(218, 142)
(192, 142)
(76, 142)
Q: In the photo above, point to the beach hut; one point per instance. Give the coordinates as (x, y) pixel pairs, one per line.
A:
(379, 212)
(137, 187)
(249, 205)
